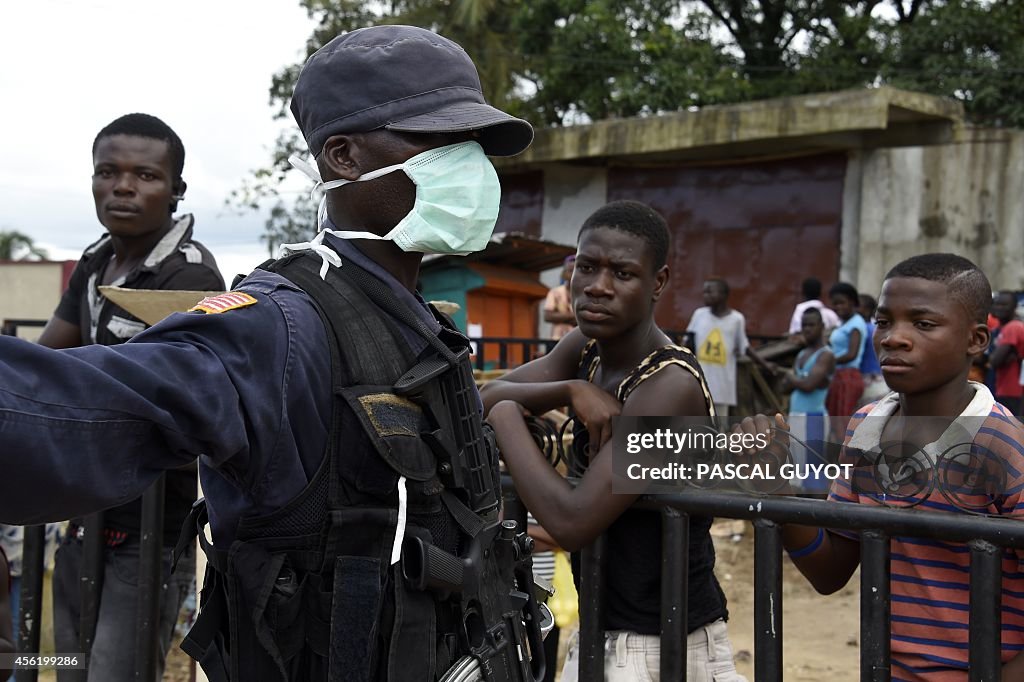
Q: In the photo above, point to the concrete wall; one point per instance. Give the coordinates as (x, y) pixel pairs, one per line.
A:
(965, 198)
(29, 291)
(571, 194)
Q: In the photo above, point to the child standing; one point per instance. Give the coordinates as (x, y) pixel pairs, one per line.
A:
(931, 323)
(720, 335)
(847, 343)
(809, 381)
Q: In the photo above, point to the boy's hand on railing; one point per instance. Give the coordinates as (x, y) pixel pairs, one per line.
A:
(775, 432)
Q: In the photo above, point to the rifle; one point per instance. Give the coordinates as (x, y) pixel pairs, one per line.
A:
(490, 588)
(502, 624)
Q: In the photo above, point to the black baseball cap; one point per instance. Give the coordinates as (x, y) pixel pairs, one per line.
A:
(401, 78)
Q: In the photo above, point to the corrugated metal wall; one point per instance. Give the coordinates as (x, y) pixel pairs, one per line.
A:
(761, 226)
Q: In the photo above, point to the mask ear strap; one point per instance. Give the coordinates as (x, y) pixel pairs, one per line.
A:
(308, 169)
(371, 175)
(313, 174)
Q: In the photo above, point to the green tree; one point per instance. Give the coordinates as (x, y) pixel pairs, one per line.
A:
(966, 49)
(17, 246)
(561, 62)
(595, 59)
(557, 62)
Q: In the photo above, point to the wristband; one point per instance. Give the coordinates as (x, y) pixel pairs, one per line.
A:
(808, 549)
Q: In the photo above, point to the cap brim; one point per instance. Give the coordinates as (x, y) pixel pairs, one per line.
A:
(499, 133)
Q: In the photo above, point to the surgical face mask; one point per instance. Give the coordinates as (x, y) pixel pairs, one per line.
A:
(457, 198)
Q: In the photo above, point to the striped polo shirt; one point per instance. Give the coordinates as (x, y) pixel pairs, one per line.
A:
(977, 463)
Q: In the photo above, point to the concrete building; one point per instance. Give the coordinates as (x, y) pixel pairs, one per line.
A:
(839, 186)
(30, 291)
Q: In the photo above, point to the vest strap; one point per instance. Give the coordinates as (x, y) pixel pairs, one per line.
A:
(470, 522)
(354, 616)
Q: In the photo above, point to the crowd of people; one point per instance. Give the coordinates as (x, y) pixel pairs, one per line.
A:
(309, 396)
(848, 374)
(929, 329)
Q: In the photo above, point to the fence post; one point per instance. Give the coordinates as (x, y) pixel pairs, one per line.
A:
(874, 606)
(675, 573)
(986, 619)
(150, 580)
(31, 609)
(767, 601)
(592, 591)
(90, 582)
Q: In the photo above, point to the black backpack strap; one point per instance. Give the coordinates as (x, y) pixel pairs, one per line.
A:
(389, 303)
(193, 529)
(206, 640)
(353, 320)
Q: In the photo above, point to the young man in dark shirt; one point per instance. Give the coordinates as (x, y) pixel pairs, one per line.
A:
(617, 362)
(136, 184)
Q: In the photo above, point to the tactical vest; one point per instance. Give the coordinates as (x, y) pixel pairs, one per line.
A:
(310, 592)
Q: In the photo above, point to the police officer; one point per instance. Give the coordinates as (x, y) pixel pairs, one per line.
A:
(318, 472)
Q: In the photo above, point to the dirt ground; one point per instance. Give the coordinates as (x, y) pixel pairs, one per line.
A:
(821, 634)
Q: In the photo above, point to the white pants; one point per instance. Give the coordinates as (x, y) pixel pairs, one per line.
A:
(629, 657)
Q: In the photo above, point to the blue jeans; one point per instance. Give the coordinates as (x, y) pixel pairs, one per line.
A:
(112, 658)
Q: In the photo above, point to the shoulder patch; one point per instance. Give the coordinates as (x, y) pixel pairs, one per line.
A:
(222, 303)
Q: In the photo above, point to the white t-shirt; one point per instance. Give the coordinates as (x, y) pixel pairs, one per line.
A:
(828, 316)
(719, 341)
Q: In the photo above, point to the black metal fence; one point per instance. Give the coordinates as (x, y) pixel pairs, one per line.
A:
(505, 352)
(91, 578)
(9, 327)
(985, 537)
(508, 352)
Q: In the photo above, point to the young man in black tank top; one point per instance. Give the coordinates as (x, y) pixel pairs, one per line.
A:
(616, 362)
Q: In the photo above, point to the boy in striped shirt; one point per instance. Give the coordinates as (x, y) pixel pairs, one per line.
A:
(930, 325)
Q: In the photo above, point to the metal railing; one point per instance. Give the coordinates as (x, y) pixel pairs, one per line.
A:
(985, 537)
(146, 643)
(508, 352)
(9, 327)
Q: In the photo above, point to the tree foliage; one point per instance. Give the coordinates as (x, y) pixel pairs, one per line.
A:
(967, 49)
(596, 59)
(560, 62)
(17, 246)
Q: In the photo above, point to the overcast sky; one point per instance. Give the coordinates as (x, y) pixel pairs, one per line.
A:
(69, 67)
